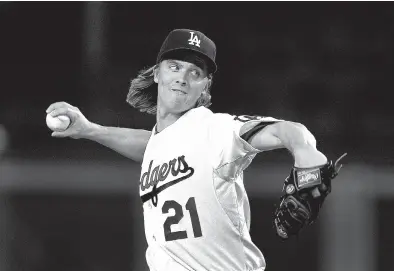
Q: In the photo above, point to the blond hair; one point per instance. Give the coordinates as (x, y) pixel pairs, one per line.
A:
(144, 97)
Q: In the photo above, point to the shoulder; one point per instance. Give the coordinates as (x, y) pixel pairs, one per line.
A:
(205, 116)
(224, 121)
(242, 121)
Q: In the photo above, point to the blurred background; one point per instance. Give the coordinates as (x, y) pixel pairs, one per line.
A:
(73, 205)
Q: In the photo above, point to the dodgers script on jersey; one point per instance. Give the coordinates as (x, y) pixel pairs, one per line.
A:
(196, 211)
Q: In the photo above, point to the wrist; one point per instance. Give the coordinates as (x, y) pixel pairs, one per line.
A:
(92, 131)
(308, 156)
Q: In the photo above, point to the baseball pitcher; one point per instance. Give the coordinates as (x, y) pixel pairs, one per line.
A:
(196, 209)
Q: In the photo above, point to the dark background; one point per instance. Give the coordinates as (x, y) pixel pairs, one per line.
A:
(328, 65)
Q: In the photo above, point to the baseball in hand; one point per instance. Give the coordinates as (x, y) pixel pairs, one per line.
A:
(59, 123)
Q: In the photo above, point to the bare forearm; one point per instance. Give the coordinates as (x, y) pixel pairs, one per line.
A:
(130, 143)
(293, 135)
(300, 142)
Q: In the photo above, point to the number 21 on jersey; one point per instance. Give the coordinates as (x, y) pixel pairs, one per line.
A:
(176, 218)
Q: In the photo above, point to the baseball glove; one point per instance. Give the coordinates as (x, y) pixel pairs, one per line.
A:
(305, 191)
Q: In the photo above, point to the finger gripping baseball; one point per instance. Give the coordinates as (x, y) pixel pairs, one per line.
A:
(304, 193)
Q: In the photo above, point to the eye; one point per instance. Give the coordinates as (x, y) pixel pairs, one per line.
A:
(173, 67)
(196, 73)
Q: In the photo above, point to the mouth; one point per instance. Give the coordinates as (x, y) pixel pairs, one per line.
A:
(178, 90)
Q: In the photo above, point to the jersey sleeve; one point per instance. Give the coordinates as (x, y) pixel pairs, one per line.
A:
(228, 135)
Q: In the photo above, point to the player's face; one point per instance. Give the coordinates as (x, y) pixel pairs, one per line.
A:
(180, 84)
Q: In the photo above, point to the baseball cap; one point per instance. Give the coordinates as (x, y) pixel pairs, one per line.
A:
(183, 42)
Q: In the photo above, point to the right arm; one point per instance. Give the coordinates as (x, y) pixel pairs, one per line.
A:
(130, 143)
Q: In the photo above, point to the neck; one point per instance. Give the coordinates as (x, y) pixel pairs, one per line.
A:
(165, 118)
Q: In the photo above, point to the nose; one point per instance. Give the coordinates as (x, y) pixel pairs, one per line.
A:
(182, 80)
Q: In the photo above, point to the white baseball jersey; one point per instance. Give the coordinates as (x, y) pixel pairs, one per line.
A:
(196, 211)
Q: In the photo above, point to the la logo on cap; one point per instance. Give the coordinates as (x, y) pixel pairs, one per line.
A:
(194, 40)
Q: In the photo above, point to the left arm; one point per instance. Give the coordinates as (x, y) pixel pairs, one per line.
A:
(293, 136)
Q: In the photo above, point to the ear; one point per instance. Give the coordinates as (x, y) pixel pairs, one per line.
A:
(156, 74)
(208, 85)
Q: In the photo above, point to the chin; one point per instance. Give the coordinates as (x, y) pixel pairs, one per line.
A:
(179, 105)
